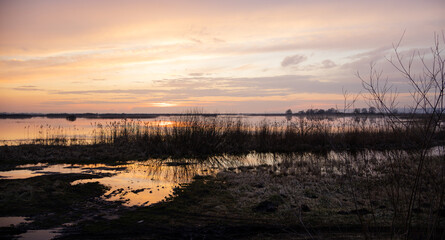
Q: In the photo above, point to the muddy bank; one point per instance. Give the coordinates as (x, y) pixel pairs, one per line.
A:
(262, 202)
(51, 201)
(11, 156)
(299, 197)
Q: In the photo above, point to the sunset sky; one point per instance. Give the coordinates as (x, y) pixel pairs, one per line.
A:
(219, 56)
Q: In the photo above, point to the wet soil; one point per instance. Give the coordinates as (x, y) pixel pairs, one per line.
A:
(254, 203)
(50, 201)
(261, 202)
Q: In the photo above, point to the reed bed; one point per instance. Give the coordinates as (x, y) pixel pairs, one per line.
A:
(196, 135)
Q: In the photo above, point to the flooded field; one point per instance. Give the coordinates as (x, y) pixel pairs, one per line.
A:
(86, 130)
(87, 174)
(17, 131)
(133, 184)
(141, 183)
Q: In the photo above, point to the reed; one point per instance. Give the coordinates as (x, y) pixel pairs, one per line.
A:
(198, 135)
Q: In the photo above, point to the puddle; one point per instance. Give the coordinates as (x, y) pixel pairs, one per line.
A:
(34, 170)
(40, 234)
(30, 234)
(8, 221)
(147, 182)
(143, 182)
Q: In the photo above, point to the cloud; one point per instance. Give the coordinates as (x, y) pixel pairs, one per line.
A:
(180, 89)
(107, 91)
(196, 74)
(195, 40)
(58, 43)
(293, 60)
(217, 40)
(278, 85)
(93, 102)
(328, 64)
(28, 88)
(360, 62)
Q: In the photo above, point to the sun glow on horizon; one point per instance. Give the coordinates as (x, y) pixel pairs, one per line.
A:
(163, 104)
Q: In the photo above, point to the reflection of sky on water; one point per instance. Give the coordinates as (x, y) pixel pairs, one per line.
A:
(17, 131)
(150, 181)
(8, 221)
(14, 131)
(144, 182)
(42, 234)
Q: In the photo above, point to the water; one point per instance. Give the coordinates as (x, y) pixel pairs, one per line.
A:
(16, 131)
(139, 183)
(14, 221)
(84, 130)
(42, 234)
(143, 182)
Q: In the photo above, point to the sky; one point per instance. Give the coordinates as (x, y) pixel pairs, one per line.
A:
(227, 56)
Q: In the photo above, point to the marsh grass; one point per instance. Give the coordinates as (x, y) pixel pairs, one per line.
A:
(197, 135)
(377, 185)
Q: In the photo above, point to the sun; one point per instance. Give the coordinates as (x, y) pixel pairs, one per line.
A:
(163, 104)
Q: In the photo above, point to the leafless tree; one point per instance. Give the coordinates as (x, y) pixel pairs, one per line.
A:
(420, 125)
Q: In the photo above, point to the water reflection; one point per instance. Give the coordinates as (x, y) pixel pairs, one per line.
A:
(150, 181)
(44, 234)
(146, 182)
(14, 221)
(84, 131)
(19, 131)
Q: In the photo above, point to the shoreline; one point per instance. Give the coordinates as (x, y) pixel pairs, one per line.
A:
(286, 200)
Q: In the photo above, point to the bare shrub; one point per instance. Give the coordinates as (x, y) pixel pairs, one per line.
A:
(414, 180)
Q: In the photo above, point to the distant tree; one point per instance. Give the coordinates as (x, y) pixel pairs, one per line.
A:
(372, 110)
(331, 111)
(364, 111)
(356, 111)
(310, 111)
(71, 118)
(301, 112)
(288, 115)
(320, 111)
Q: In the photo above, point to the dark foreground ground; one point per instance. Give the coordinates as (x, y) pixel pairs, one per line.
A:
(264, 202)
